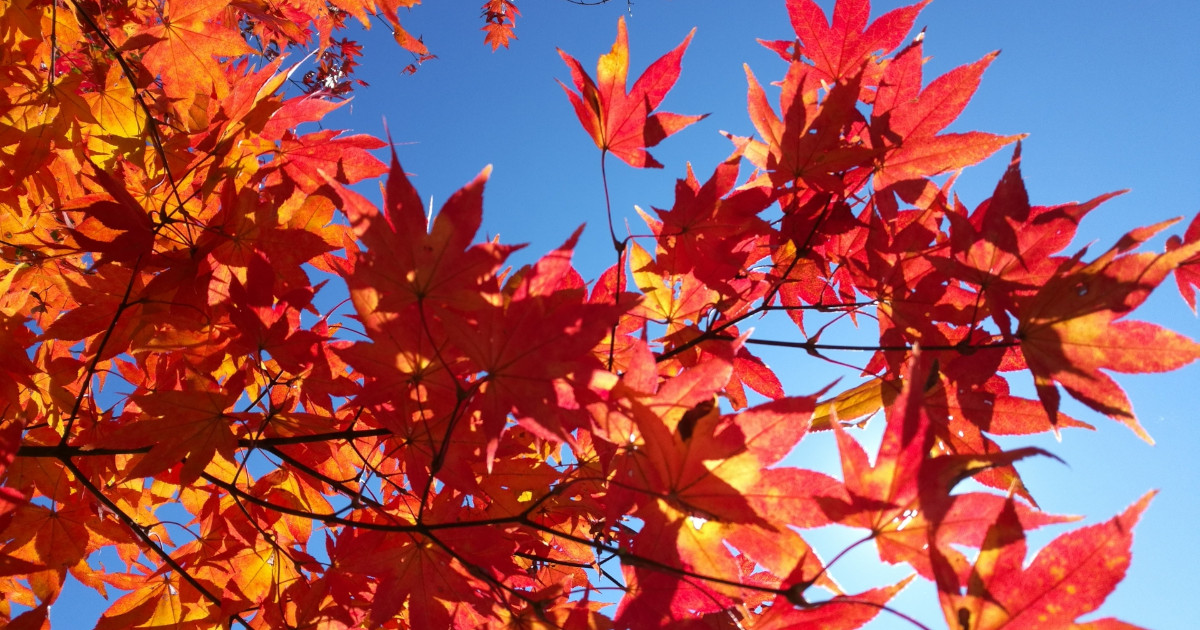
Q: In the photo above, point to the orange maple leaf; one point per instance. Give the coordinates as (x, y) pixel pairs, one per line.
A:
(621, 123)
(499, 16)
(191, 426)
(192, 34)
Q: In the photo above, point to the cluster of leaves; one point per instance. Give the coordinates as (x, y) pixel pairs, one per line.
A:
(499, 18)
(495, 448)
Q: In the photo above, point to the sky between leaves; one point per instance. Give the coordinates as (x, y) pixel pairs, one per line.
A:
(1103, 88)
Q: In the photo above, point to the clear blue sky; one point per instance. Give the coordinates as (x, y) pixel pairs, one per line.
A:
(1104, 88)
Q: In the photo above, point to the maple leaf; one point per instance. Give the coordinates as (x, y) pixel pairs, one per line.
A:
(1069, 577)
(10, 498)
(544, 333)
(961, 408)
(659, 439)
(697, 479)
(125, 232)
(440, 577)
(675, 299)
(711, 230)
(500, 18)
(843, 48)
(412, 393)
(1187, 274)
(51, 539)
(16, 372)
(621, 122)
(103, 293)
(813, 142)
(167, 601)
(192, 33)
(409, 261)
(844, 612)
(313, 158)
(190, 426)
(672, 538)
(119, 121)
(252, 102)
(1073, 328)
(906, 121)
(1020, 251)
(903, 499)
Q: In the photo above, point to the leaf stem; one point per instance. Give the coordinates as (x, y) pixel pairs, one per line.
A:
(619, 247)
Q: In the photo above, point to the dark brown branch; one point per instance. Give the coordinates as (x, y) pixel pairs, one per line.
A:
(65, 450)
(147, 540)
(90, 372)
(151, 121)
(812, 347)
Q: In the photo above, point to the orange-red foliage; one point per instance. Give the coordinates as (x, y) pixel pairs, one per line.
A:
(492, 448)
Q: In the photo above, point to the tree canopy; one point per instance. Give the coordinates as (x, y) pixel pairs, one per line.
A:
(190, 426)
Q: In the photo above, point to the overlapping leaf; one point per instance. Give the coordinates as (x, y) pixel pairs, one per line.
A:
(907, 120)
(843, 48)
(1069, 578)
(903, 498)
(1073, 328)
(409, 261)
(482, 446)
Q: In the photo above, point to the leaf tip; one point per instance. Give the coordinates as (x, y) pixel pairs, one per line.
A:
(687, 40)
(1134, 512)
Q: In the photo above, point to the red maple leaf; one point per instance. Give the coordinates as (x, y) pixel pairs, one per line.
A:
(1187, 275)
(1073, 327)
(620, 122)
(813, 142)
(312, 158)
(525, 347)
(712, 230)
(843, 48)
(906, 121)
(903, 499)
(1008, 248)
(844, 612)
(697, 480)
(189, 426)
(409, 261)
(1069, 577)
(118, 228)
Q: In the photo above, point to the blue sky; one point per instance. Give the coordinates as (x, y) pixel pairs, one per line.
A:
(1103, 89)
